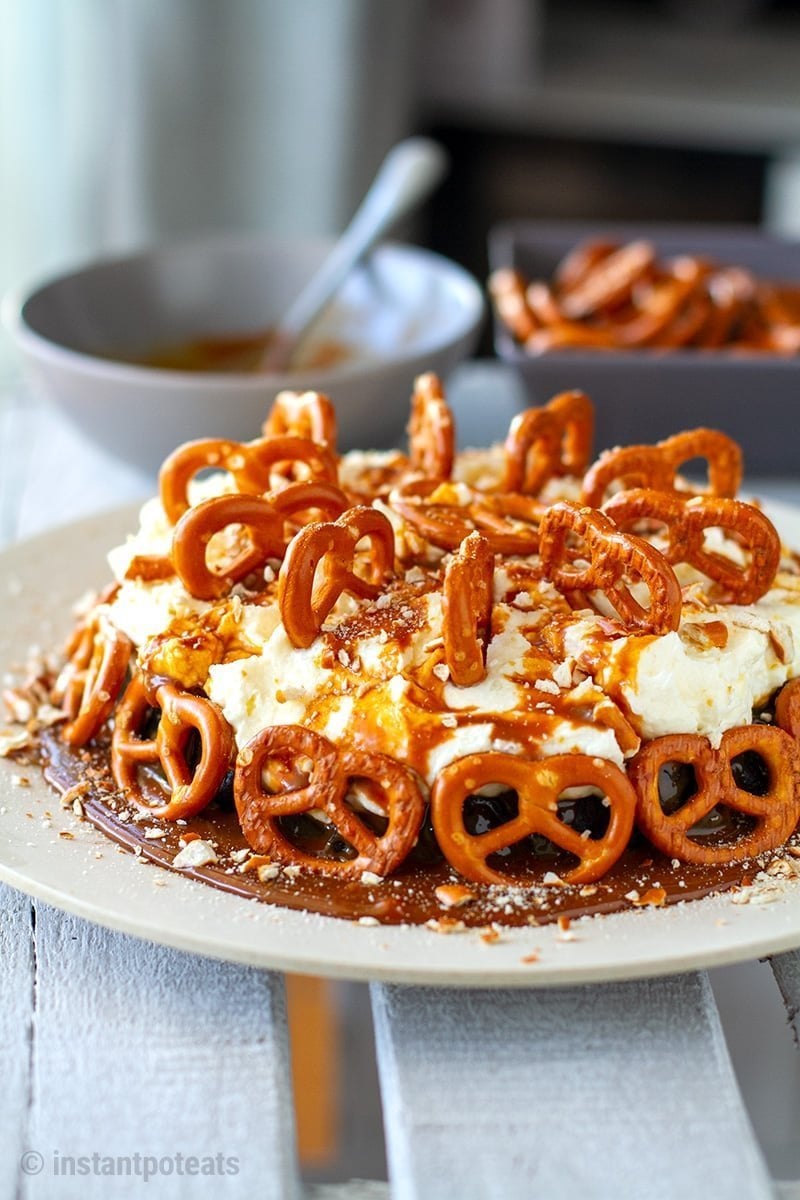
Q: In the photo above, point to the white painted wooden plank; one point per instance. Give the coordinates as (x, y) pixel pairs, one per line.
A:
(622, 1090)
(354, 1189)
(786, 968)
(140, 1050)
(16, 1011)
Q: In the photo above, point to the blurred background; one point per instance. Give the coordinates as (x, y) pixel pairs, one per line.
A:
(123, 122)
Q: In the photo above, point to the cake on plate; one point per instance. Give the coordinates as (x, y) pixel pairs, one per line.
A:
(513, 684)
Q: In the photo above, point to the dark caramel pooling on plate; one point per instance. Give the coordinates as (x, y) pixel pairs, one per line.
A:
(641, 877)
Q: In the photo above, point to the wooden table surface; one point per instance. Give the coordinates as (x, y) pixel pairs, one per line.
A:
(130, 1069)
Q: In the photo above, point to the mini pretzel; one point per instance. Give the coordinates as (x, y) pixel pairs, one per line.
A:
(780, 311)
(444, 523)
(732, 291)
(298, 752)
(98, 663)
(542, 303)
(686, 521)
(467, 609)
(330, 549)
(180, 467)
(538, 786)
(657, 466)
(548, 441)
(263, 519)
(722, 453)
(787, 708)
(687, 322)
(431, 435)
(304, 414)
(509, 522)
(280, 456)
(776, 813)
(533, 315)
(580, 261)
(610, 281)
(507, 288)
(182, 714)
(250, 464)
(391, 786)
(612, 561)
(308, 496)
(669, 312)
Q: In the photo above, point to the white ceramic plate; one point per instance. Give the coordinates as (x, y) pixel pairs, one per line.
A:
(88, 875)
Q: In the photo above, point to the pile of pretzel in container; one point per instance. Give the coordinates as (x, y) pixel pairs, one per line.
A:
(342, 540)
(606, 296)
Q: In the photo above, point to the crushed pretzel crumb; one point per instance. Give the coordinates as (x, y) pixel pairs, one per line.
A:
(654, 897)
(445, 925)
(370, 878)
(77, 792)
(18, 740)
(267, 872)
(453, 895)
(197, 853)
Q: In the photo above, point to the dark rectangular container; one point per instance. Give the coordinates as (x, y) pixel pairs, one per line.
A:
(645, 395)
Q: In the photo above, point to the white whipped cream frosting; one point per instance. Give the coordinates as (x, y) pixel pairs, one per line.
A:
(667, 684)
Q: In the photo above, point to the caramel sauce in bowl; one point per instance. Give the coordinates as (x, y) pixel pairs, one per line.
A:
(233, 354)
(146, 350)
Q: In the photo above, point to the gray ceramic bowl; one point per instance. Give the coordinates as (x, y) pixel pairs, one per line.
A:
(405, 311)
(644, 395)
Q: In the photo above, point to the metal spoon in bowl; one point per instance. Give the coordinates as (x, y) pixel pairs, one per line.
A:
(407, 176)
